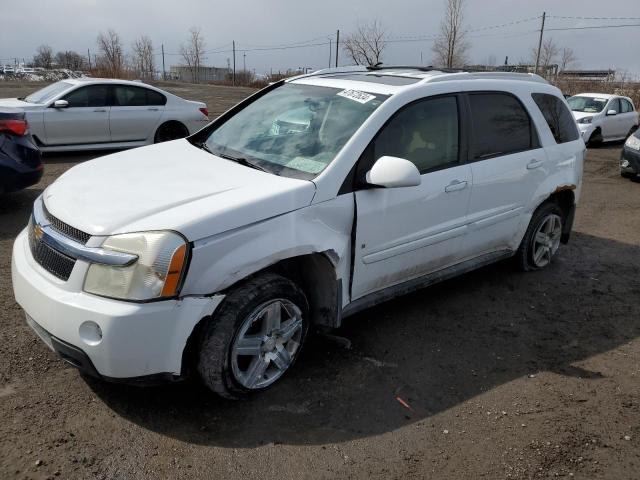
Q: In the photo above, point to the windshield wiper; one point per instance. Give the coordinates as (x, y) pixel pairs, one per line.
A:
(240, 160)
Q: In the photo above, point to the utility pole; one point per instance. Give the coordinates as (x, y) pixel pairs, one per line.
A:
(330, 51)
(544, 14)
(337, 45)
(164, 75)
(244, 61)
(234, 63)
(89, 58)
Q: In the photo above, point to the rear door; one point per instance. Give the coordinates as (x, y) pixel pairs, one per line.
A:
(613, 124)
(403, 233)
(507, 165)
(135, 113)
(84, 121)
(629, 116)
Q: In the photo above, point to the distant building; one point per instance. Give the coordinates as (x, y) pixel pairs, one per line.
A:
(602, 75)
(184, 73)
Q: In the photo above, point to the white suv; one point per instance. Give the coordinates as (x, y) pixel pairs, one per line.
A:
(313, 199)
(602, 117)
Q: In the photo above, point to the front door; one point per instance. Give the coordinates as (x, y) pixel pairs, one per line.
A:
(135, 113)
(403, 233)
(84, 121)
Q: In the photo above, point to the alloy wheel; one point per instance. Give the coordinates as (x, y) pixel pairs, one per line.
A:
(546, 240)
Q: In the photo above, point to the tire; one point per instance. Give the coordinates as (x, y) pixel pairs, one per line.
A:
(238, 325)
(628, 175)
(632, 131)
(595, 139)
(527, 254)
(170, 131)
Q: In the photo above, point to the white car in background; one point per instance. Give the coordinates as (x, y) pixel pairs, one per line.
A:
(602, 117)
(93, 114)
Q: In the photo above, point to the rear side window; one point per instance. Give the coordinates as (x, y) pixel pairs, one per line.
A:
(558, 117)
(614, 105)
(130, 96)
(501, 125)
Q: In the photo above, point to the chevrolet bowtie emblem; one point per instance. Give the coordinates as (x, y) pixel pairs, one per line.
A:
(38, 232)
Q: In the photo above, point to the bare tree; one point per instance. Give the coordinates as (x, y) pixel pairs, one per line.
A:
(549, 52)
(111, 59)
(451, 46)
(70, 60)
(567, 59)
(366, 44)
(193, 51)
(143, 59)
(43, 57)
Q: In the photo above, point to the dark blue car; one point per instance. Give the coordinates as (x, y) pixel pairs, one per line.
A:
(20, 158)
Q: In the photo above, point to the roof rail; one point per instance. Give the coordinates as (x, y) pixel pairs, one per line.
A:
(463, 75)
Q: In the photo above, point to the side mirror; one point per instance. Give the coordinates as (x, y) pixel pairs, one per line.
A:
(393, 172)
(60, 104)
(611, 112)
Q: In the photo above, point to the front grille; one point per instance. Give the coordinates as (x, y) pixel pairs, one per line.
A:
(51, 260)
(66, 230)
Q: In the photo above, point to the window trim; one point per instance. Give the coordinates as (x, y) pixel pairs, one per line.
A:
(533, 129)
(367, 158)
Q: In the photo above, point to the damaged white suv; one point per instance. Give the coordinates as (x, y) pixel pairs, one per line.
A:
(313, 199)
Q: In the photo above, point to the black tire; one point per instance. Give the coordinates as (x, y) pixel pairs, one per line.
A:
(628, 175)
(632, 131)
(220, 331)
(524, 255)
(595, 139)
(170, 131)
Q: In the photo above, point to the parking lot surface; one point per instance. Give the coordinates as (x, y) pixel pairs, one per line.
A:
(495, 374)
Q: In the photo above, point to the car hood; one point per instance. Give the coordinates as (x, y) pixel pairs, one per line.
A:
(579, 115)
(15, 103)
(170, 186)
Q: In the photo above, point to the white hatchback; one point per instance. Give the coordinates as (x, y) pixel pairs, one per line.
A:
(94, 114)
(602, 117)
(311, 200)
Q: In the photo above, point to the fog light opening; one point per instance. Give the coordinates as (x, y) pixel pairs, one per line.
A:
(90, 333)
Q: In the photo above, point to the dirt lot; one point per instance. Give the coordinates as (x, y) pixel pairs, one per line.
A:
(496, 374)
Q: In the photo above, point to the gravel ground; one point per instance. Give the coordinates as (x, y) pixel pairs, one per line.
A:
(495, 374)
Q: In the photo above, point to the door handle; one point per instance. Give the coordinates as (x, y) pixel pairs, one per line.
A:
(455, 186)
(153, 109)
(534, 164)
(100, 110)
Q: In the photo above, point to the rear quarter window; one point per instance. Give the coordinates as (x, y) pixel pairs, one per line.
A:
(558, 117)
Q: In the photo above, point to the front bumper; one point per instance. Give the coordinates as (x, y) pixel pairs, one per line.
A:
(138, 339)
(630, 161)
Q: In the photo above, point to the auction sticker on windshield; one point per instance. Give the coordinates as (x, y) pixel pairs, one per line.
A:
(356, 95)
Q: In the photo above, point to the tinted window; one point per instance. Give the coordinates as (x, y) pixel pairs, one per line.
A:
(500, 125)
(130, 96)
(426, 133)
(560, 121)
(91, 96)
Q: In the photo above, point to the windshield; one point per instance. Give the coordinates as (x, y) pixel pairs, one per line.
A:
(48, 93)
(294, 130)
(587, 104)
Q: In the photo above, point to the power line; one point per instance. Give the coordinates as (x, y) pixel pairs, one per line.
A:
(593, 26)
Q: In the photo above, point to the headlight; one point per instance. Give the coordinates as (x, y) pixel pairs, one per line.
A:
(585, 120)
(633, 142)
(156, 274)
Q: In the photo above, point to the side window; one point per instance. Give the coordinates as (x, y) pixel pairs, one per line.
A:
(425, 133)
(155, 98)
(90, 96)
(625, 106)
(126, 96)
(560, 121)
(614, 105)
(500, 125)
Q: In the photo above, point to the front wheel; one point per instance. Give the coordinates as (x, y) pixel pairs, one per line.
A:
(255, 337)
(542, 239)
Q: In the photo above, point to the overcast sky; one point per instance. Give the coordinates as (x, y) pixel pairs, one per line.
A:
(74, 25)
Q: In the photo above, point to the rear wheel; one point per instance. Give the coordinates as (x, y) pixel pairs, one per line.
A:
(542, 239)
(170, 131)
(255, 337)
